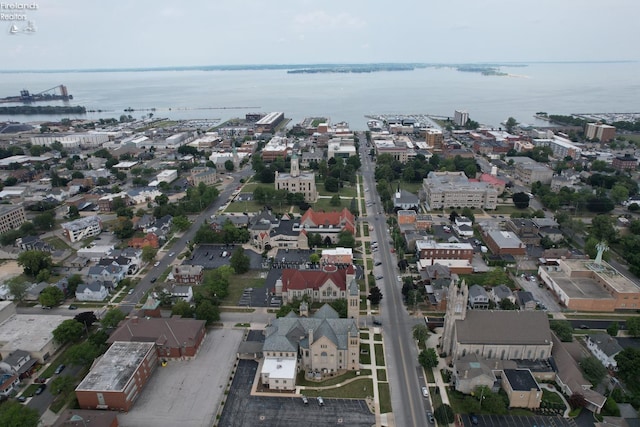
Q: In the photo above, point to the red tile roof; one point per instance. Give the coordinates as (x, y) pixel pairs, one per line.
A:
(343, 219)
(314, 279)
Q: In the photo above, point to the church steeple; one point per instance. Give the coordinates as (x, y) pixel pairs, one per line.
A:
(457, 299)
(295, 166)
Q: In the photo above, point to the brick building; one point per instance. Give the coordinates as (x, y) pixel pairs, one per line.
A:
(191, 274)
(504, 242)
(626, 162)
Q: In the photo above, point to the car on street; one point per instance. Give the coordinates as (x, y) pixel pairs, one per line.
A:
(154, 280)
(40, 389)
(379, 277)
(378, 263)
(171, 254)
(425, 392)
(157, 263)
(22, 399)
(46, 307)
(59, 369)
(131, 291)
(73, 307)
(377, 322)
(430, 418)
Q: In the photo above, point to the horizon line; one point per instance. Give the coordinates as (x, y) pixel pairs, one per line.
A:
(283, 66)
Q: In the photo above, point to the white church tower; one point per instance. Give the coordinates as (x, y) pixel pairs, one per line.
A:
(457, 299)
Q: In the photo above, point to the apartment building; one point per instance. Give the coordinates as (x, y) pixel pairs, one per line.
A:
(604, 133)
(455, 190)
(82, 228)
(11, 217)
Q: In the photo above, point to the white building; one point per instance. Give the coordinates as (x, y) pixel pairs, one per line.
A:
(298, 182)
(279, 373)
(82, 228)
(168, 176)
(460, 117)
(605, 348)
(95, 291)
(454, 190)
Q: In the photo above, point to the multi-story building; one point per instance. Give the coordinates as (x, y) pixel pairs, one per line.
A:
(561, 147)
(341, 147)
(456, 256)
(207, 175)
(117, 378)
(454, 190)
(322, 343)
(602, 132)
(504, 243)
(82, 228)
(626, 162)
(191, 274)
(298, 182)
(530, 172)
(587, 285)
(276, 147)
(327, 224)
(269, 122)
(434, 139)
(460, 117)
(399, 152)
(11, 217)
(106, 202)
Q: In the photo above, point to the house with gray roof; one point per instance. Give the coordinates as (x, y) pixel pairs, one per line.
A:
(321, 344)
(501, 292)
(94, 291)
(478, 298)
(605, 348)
(110, 273)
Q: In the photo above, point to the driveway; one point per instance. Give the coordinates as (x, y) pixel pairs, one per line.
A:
(187, 393)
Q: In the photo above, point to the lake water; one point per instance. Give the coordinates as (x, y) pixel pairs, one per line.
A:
(554, 88)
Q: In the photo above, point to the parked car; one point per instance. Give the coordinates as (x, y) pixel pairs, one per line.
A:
(22, 399)
(154, 280)
(73, 307)
(305, 400)
(40, 389)
(378, 263)
(131, 291)
(59, 369)
(377, 322)
(430, 418)
(320, 401)
(474, 419)
(171, 254)
(425, 392)
(157, 263)
(46, 307)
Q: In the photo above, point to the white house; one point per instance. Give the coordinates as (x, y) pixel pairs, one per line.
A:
(107, 273)
(17, 362)
(463, 227)
(182, 291)
(95, 291)
(605, 348)
(478, 297)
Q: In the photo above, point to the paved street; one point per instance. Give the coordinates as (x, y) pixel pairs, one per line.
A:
(401, 353)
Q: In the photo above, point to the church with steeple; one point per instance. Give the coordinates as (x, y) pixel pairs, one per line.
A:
(297, 181)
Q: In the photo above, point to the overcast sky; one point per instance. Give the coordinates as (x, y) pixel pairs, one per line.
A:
(152, 33)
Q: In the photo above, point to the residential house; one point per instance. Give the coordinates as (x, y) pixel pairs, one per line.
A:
(143, 194)
(184, 292)
(605, 348)
(463, 226)
(18, 362)
(33, 243)
(144, 222)
(111, 273)
(151, 240)
(160, 226)
(501, 292)
(526, 301)
(9, 384)
(478, 298)
(94, 291)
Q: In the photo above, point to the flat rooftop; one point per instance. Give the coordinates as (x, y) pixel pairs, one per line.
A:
(284, 368)
(28, 332)
(521, 379)
(114, 369)
(572, 276)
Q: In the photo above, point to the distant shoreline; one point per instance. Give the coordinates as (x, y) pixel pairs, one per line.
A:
(256, 67)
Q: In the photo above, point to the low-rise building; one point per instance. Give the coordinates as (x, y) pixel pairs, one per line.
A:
(116, 380)
(522, 389)
(478, 298)
(626, 162)
(605, 348)
(188, 274)
(94, 291)
(504, 242)
(206, 175)
(531, 172)
(337, 256)
(82, 228)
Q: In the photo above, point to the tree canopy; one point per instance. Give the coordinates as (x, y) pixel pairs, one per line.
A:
(68, 331)
(111, 318)
(34, 261)
(50, 296)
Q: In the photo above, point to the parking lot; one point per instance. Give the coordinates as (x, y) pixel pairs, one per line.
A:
(211, 256)
(187, 393)
(517, 421)
(243, 410)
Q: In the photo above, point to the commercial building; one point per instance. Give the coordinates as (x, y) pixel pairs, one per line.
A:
(434, 139)
(460, 117)
(626, 162)
(106, 203)
(11, 217)
(504, 242)
(168, 176)
(269, 122)
(561, 147)
(599, 131)
(174, 337)
(456, 256)
(532, 171)
(276, 147)
(298, 182)
(587, 285)
(86, 418)
(399, 152)
(454, 190)
(341, 147)
(337, 256)
(117, 378)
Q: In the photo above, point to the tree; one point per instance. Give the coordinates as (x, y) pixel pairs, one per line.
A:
(82, 354)
(507, 304)
(602, 228)
(72, 283)
(14, 414)
(87, 318)
(182, 308)
(577, 400)
(181, 223)
(340, 306)
(628, 361)
(613, 329)
(123, 228)
(18, 289)
(50, 296)
(73, 212)
(420, 334)
(228, 165)
(34, 261)
(444, 414)
(510, 124)
(428, 358)
(208, 312)
(593, 370)
(68, 331)
(346, 239)
(375, 295)
(62, 384)
(314, 258)
(633, 326)
(619, 193)
(520, 200)
(149, 253)
(562, 329)
(335, 200)
(239, 261)
(332, 184)
(111, 318)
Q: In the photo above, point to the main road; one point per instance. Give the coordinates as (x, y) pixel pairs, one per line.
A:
(409, 407)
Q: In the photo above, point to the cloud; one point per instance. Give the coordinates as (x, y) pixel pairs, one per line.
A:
(321, 20)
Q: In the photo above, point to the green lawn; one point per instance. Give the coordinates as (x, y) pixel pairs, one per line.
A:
(429, 374)
(238, 283)
(302, 381)
(385, 398)
(364, 335)
(379, 354)
(365, 358)
(349, 192)
(358, 389)
(325, 205)
(382, 374)
(57, 243)
(377, 337)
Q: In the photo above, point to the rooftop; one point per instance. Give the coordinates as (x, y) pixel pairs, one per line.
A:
(29, 332)
(521, 380)
(576, 284)
(504, 327)
(81, 223)
(173, 332)
(505, 239)
(284, 368)
(114, 369)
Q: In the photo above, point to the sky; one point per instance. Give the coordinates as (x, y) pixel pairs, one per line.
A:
(74, 34)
